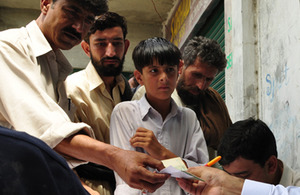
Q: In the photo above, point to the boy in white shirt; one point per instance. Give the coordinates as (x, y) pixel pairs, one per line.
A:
(155, 124)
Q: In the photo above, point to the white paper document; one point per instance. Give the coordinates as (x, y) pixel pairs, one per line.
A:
(176, 168)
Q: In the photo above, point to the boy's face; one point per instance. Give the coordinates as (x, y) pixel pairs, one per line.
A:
(159, 81)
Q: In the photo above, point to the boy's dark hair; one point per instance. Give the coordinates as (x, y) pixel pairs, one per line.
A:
(250, 139)
(108, 20)
(156, 48)
(97, 7)
(208, 50)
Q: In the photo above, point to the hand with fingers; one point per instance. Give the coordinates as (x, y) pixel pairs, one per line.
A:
(133, 170)
(216, 182)
(193, 187)
(146, 139)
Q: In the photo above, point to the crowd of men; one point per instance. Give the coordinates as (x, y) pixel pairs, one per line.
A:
(57, 115)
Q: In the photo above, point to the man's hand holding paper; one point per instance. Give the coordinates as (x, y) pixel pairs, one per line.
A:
(176, 168)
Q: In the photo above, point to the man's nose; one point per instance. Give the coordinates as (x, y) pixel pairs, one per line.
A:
(110, 50)
(201, 84)
(79, 26)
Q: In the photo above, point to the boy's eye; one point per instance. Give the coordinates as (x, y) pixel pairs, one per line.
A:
(153, 70)
(170, 70)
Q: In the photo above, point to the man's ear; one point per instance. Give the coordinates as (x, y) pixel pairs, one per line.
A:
(127, 43)
(138, 76)
(272, 164)
(86, 48)
(45, 6)
(181, 65)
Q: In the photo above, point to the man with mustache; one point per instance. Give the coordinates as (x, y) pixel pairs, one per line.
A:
(203, 60)
(99, 87)
(33, 97)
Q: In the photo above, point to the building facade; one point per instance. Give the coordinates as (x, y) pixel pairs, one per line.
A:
(262, 46)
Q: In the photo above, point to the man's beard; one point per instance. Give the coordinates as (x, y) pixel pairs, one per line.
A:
(187, 97)
(108, 70)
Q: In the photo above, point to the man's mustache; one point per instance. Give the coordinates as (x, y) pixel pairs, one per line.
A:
(191, 88)
(111, 58)
(73, 32)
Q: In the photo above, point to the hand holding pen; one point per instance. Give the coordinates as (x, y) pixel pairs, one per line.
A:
(213, 161)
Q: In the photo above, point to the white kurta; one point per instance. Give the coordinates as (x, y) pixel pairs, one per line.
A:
(180, 133)
(32, 92)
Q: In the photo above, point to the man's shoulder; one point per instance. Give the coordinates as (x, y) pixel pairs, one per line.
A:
(139, 93)
(75, 76)
(7, 33)
(214, 94)
(76, 80)
(39, 171)
(127, 107)
(212, 91)
(13, 36)
(289, 176)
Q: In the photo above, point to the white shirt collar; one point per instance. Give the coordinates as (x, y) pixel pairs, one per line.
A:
(145, 107)
(287, 176)
(40, 45)
(95, 80)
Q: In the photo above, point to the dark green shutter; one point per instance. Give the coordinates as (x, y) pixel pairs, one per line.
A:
(214, 29)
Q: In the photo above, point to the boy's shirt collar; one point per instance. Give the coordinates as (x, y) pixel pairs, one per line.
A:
(145, 108)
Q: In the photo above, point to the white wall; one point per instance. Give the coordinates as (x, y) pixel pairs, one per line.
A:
(279, 43)
(241, 75)
(264, 78)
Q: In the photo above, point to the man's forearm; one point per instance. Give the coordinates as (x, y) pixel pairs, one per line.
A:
(85, 148)
(130, 165)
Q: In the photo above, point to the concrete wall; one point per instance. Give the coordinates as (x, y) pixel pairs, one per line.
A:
(262, 77)
(241, 78)
(13, 18)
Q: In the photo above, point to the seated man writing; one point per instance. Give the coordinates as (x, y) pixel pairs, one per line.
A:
(248, 151)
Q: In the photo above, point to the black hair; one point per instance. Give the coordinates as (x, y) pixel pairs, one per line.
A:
(208, 51)
(250, 139)
(156, 48)
(97, 7)
(108, 20)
